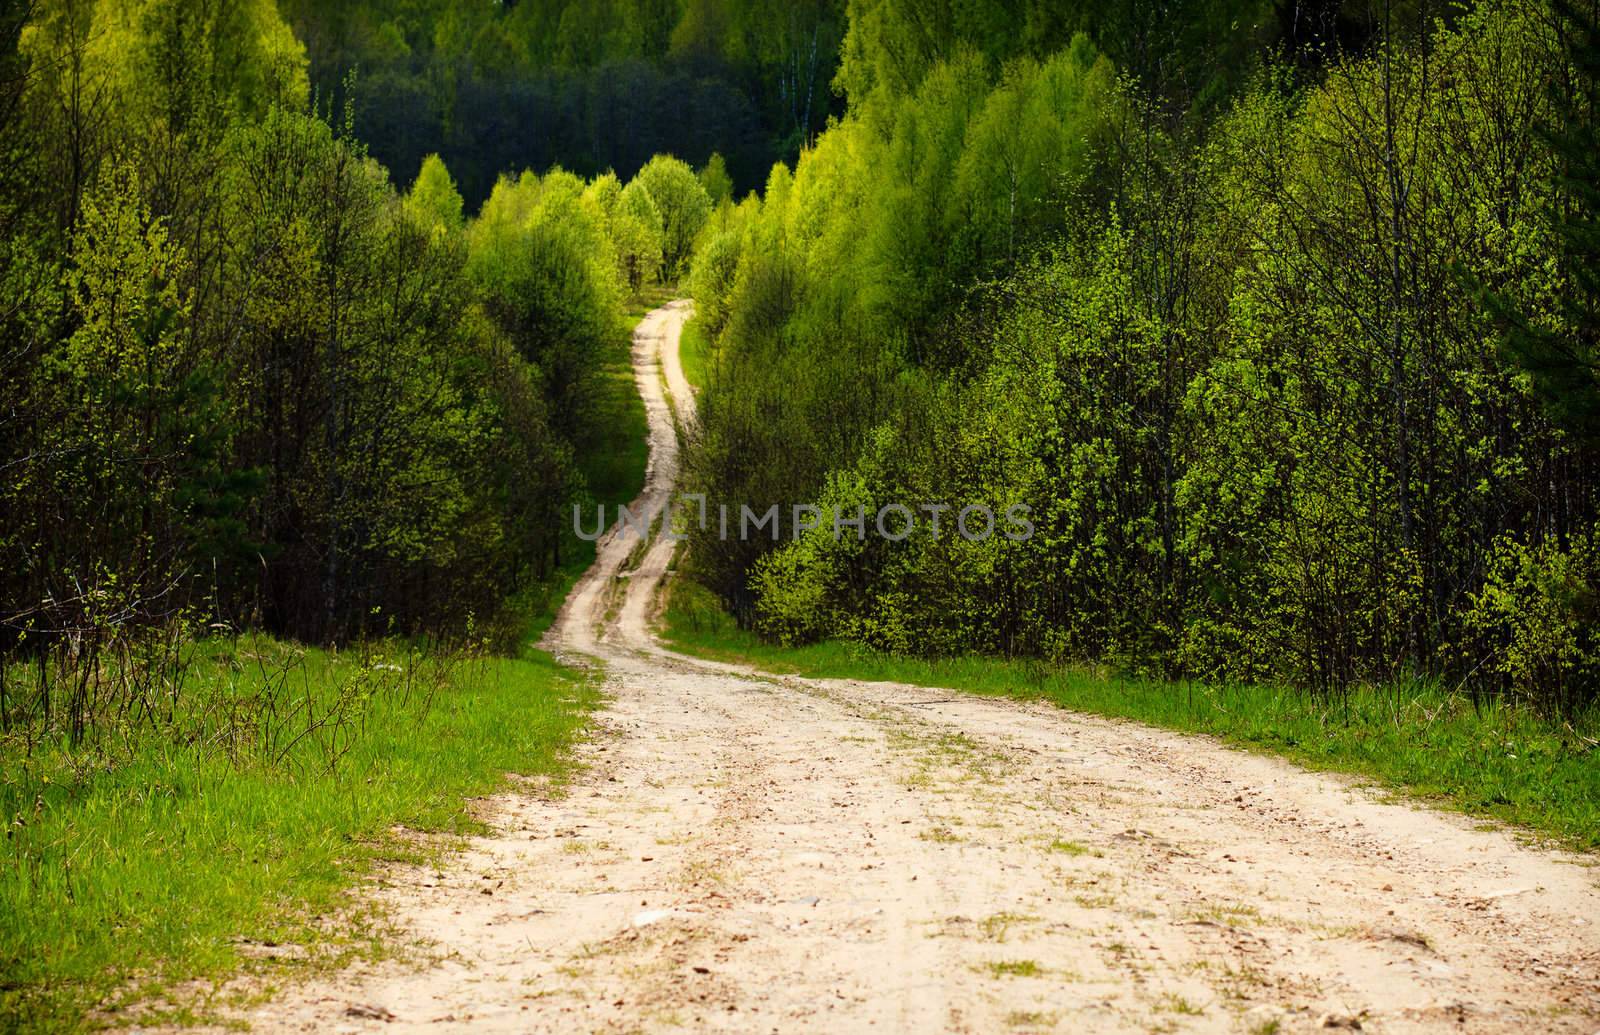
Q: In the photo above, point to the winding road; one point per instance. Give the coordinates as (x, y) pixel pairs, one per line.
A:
(753, 853)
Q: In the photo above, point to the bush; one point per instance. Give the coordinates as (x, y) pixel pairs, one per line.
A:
(1536, 622)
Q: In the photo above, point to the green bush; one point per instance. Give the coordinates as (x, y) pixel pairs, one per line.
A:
(1534, 623)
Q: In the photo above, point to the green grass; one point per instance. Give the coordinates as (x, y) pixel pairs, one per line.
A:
(1502, 761)
(1014, 968)
(697, 353)
(136, 867)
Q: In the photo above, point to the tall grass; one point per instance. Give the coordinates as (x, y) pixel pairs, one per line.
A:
(147, 855)
(1492, 759)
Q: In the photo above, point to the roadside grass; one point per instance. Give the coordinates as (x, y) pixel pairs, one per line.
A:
(1497, 760)
(142, 870)
(697, 353)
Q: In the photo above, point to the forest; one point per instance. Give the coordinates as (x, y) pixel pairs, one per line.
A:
(1289, 347)
(592, 86)
(1284, 338)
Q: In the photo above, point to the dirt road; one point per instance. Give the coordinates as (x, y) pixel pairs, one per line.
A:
(747, 853)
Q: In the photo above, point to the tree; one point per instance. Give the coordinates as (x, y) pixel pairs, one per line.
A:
(353, 321)
(684, 206)
(714, 178)
(1562, 356)
(639, 234)
(130, 398)
(434, 201)
(544, 269)
(191, 63)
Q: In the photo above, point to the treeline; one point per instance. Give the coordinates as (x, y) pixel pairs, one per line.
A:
(1295, 371)
(591, 85)
(248, 381)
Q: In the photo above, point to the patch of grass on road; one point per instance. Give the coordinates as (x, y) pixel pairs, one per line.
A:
(1497, 759)
(160, 856)
(1014, 968)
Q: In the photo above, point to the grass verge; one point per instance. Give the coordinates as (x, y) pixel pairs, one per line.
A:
(143, 870)
(1498, 761)
(697, 353)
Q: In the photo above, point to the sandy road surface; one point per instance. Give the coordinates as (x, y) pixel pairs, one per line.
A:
(747, 853)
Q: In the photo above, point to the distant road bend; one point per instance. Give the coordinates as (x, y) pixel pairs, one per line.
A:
(752, 853)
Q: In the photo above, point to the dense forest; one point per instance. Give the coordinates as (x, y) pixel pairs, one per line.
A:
(590, 85)
(1281, 323)
(248, 382)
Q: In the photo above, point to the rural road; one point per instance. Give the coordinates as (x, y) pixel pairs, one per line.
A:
(758, 854)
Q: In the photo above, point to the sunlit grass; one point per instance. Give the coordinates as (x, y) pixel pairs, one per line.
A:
(151, 858)
(697, 353)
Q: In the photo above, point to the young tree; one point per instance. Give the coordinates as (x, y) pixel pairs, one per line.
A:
(639, 234)
(684, 206)
(714, 178)
(434, 201)
(545, 271)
